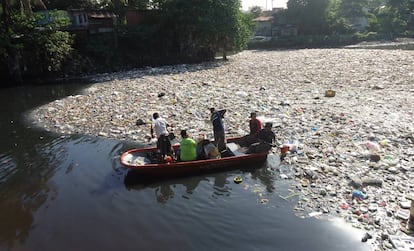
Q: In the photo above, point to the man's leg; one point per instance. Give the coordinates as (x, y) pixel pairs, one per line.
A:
(221, 141)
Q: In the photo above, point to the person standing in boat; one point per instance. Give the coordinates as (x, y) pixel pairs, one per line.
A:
(216, 119)
(187, 147)
(159, 127)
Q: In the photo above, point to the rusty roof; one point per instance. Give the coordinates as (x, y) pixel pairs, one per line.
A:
(101, 14)
(263, 19)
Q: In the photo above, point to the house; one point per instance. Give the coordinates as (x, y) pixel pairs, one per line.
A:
(92, 21)
(139, 17)
(263, 26)
(410, 21)
(281, 26)
(264, 23)
(101, 21)
(274, 24)
(79, 19)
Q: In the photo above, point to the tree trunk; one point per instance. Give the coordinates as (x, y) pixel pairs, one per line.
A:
(41, 4)
(13, 64)
(225, 50)
(26, 7)
(224, 54)
(6, 12)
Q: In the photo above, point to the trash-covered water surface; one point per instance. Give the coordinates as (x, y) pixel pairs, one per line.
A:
(345, 117)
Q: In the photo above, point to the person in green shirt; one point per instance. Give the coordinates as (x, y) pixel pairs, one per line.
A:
(187, 147)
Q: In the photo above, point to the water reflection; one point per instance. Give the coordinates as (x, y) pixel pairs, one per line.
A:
(221, 185)
(270, 173)
(28, 159)
(7, 167)
(166, 188)
(24, 187)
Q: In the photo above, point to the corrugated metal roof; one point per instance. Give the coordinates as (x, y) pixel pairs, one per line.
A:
(263, 19)
(101, 14)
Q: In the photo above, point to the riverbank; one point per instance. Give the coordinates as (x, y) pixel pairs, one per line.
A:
(365, 132)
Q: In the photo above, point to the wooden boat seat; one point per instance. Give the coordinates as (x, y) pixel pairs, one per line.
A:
(236, 149)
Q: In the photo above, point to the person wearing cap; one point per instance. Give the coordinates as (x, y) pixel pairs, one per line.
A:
(266, 135)
(216, 119)
(187, 147)
(266, 138)
(159, 126)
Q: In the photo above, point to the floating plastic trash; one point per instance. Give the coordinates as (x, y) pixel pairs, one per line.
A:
(330, 93)
(237, 179)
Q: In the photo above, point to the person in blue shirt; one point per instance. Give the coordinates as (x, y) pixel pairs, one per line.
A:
(216, 119)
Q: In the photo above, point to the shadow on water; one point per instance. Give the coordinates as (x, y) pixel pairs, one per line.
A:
(164, 185)
(134, 179)
(28, 159)
(24, 187)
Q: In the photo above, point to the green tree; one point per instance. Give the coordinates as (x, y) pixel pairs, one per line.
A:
(231, 26)
(401, 8)
(373, 5)
(205, 26)
(390, 22)
(139, 4)
(353, 8)
(76, 4)
(29, 48)
(256, 11)
(310, 16)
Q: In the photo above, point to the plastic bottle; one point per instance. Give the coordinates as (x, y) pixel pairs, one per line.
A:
(372, 147)
(358, 194)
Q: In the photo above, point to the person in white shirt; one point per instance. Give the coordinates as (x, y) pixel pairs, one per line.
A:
(159, 126)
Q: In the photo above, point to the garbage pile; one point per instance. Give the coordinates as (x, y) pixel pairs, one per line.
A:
(345, 117)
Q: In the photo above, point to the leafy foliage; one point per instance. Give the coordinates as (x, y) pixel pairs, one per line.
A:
(310, 16)
(256, 11)
(338, 16)
(180, 31)
(40, 49)
(205, 26)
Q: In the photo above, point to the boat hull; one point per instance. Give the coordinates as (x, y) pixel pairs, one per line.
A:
(188, 167)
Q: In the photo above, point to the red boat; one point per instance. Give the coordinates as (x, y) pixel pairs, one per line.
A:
(142, 161)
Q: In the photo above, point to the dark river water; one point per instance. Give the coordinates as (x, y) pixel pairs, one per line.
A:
(60, 192)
